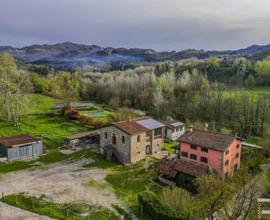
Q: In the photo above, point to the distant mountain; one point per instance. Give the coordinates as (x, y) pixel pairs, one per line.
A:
(69, 55)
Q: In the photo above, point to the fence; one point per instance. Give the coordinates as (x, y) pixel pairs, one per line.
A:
(77, 210)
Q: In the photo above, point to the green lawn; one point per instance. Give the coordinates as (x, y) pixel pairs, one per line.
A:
(128, 181)
(37, 122)
(252, 91)
(44, 207)
(169, 144)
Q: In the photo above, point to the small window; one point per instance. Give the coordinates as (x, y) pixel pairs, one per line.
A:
(204, 160)
(227, 152)
(226, 162)
(237, 155)
(194, 147)
(113, 139)
(237, 146)
(235, 167)
(193, 157)
(184, 154)
(106, 135)
(138, 138)
(204, 149)
(123, 139)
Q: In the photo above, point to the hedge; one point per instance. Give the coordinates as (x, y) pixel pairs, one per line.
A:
(153, 207)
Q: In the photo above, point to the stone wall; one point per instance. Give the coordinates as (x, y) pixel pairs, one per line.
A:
(132, 149)
(123, 148)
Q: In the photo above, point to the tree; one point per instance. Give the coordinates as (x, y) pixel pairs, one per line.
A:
(250, 81)
(245, 189)
(14, 86)
(212, 195)
(158, 100)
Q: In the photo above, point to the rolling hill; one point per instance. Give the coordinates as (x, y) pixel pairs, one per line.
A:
(69, 55)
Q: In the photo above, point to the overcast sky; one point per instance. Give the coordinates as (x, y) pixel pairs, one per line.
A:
(157, 24)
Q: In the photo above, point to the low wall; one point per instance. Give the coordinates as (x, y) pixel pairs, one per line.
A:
(166, 181)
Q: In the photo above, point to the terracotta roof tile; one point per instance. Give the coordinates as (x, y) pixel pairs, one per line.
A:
(17, 140)
(170, 168)
(130, 127)
(211, 140)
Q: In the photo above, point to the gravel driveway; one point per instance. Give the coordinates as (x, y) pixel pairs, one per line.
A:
(62, 182)
(12, 213)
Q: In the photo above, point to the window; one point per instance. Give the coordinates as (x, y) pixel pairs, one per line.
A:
(106, 135)
(204, 160)
(226, 162)
(237, 146)
(235, 167)
(204, 149)
(193, 157)
(138, 138)
(184, 154)
(123, 139)
(227, 152)
(113, 139)
(158, 133)
(194, 147)
(237, 155)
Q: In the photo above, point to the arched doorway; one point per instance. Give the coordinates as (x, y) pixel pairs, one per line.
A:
(147, 150)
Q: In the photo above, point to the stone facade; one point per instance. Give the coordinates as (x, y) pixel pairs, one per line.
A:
(131, 148)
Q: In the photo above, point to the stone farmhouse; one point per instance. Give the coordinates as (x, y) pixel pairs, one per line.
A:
(132, 140)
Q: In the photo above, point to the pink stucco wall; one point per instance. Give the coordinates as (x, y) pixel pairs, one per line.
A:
(216, 159)
(232, 157)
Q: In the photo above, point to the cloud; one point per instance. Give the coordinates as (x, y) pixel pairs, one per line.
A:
(158, 24)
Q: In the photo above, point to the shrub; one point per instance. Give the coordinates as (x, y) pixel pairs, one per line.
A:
(70, 113)
(153, 207)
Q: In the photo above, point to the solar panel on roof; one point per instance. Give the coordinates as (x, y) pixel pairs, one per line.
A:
(177, 124)
(150, 123)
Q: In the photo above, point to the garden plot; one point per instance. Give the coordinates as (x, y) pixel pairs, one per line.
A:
(63, 183)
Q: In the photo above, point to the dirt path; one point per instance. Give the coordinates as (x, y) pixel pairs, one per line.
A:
(12, 213)
(62, 182)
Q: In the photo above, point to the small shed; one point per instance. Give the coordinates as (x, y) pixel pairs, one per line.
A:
(20, 147)
(83, 139)
(174, 129)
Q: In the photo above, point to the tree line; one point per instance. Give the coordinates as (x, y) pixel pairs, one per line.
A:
(184, 91)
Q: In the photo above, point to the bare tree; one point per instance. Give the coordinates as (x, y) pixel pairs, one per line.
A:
(245, 190)
(14, 85)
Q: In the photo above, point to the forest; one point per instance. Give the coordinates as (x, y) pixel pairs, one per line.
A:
(194, 91)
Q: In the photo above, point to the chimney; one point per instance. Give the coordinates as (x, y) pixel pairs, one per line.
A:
(206, 127)
(129, 119)
(190, 129)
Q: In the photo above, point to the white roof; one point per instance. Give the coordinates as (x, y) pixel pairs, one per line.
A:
(176, 124)
(150, 123)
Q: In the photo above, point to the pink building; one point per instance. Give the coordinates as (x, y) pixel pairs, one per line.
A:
(220, 152)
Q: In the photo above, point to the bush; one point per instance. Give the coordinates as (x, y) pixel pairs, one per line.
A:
(153, 207)
(70, 113)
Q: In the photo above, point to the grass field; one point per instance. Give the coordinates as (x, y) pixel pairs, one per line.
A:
(128, 181)
(58, 211)
(52, 130)
(253, 91)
